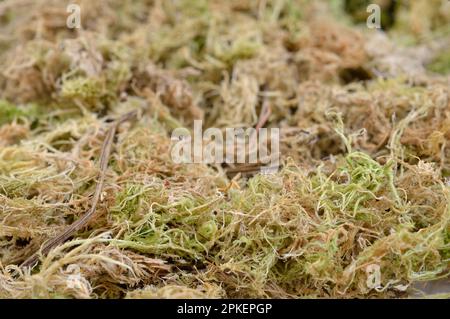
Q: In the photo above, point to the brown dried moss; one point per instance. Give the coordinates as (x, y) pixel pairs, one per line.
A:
(364, 131)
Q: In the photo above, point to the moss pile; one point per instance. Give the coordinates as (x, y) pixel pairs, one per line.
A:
(360, 206)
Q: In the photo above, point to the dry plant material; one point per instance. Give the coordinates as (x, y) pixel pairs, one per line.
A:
(84, 220)
(360, 206)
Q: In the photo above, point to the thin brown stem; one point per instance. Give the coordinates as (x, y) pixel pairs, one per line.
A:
(84, 220)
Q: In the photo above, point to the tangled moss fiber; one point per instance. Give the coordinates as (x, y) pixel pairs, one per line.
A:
(359, 207)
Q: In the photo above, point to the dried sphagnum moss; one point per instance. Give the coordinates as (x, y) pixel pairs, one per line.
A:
(364, 141)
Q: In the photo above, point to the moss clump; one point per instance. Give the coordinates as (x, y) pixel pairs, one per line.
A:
(359, 207)
(441, 64)
(88, 91)
(10, 112)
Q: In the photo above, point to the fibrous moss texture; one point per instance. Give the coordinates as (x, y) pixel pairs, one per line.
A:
(360, 206)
